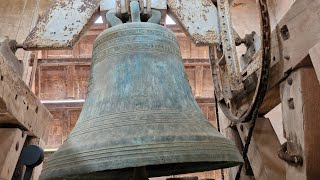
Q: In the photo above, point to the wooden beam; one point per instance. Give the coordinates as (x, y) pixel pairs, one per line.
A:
(296, 33)
(11, 143)
(300, 111)
(315, 58)
(18, 105)
(263, 150)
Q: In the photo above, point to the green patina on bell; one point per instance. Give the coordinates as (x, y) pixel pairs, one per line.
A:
(139, 112)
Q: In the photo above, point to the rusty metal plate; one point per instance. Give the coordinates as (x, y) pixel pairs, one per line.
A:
(62, 25)
(198, 18)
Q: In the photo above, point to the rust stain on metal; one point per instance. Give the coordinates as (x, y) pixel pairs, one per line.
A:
(198, 19)
(62, 25)
(200, 39)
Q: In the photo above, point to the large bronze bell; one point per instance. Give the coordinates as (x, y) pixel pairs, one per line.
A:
(139, 112)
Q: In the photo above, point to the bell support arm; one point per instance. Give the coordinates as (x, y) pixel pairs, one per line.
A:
(66, 21)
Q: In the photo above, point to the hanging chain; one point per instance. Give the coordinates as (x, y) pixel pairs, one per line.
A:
(266, 54)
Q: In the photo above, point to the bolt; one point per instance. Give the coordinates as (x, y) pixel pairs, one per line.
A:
(290, 81)
(291, 103)
(287, 57)
(241, 127)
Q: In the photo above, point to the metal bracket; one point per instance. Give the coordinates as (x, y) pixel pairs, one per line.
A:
(289, 157)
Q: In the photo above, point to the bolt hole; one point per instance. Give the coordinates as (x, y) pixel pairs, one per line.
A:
(27, 107)
(1, 78)
(16, 97)
(284, 31)
(17, 146)
(274, 58)
(229, 57)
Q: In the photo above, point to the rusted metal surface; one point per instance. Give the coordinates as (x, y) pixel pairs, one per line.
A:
(289, 157)
(198, 19)
(229, 48)
(250, 98)
(62, 25)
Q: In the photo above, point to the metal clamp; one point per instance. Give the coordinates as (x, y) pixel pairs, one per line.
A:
(290, 158)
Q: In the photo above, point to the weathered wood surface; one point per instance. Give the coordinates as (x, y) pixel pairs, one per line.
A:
(18, 105)
(232, 134)
(11, 144)
(315, 58)
(6, 51)
(263, 150)
(300, 98)
(296, 33)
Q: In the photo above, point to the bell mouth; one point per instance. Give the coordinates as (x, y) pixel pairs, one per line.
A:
(155, 170)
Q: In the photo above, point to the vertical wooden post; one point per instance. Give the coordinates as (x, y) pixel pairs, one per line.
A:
(300, 96)
(11, 144)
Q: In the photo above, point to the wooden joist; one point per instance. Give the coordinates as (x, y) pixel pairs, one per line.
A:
(300, 96)
(19, 107)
